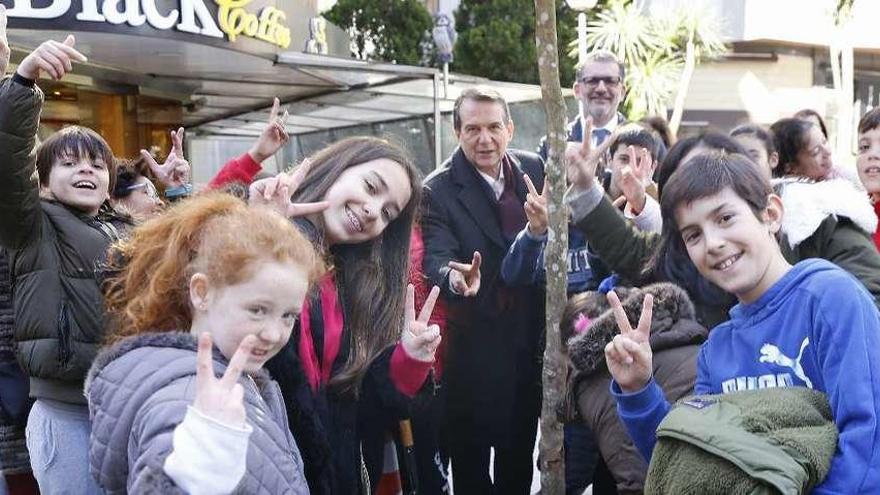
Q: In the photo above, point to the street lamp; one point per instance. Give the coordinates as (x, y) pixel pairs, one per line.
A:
(444, 40)
(582, 6)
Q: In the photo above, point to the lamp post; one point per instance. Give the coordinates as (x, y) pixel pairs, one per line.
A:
(582, 6)
(444, 39)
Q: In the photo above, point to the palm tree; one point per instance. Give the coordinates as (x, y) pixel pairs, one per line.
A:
(695, 33)
(623, 29)
(659, 52)
(651, 82)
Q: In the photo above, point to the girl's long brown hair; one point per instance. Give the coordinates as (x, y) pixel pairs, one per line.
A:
(371, 276)
(215, 234)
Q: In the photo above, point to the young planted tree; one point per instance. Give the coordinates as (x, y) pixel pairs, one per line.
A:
(694, 34)
(551, 455)
(660, 52)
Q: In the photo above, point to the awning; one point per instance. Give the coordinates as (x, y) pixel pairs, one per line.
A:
(229, 93)
(358, 93)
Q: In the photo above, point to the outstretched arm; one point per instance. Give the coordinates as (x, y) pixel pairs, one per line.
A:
(244, 168)
(20, 103)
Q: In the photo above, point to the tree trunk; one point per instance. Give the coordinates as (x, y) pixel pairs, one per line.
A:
(555, 255)
(687, 73)
(847, 96)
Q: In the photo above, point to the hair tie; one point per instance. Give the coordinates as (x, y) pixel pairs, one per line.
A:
(608, 284)
(582, 323)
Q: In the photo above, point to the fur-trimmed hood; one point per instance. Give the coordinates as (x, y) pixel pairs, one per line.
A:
(674, 324)
(808, 203)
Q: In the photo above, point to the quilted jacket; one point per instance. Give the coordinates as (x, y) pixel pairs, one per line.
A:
(139, 390)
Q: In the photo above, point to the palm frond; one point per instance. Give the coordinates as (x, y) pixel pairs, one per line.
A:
(624, 30)
(652, 82)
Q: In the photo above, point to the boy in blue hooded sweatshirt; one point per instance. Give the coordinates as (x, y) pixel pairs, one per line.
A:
(808, 325)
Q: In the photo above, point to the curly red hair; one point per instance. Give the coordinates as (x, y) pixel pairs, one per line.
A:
(215, 234)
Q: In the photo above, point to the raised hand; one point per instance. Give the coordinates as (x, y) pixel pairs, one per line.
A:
(465, 277)
(629, 354)
(274, 136)
(634, 176)
(221, 399)
(56, 59)
(536, 208)
(419, 339)
(4, 42)
(275, 192)
(175, 172)
(581, 159)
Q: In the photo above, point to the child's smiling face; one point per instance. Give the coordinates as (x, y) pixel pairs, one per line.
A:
(729, 244)
(79, 182)
(868, 160)
(266, 304)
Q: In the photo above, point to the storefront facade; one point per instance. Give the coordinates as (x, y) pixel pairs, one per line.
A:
(155, 65)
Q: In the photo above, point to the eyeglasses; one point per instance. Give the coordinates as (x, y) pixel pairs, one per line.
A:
(594, 81)
(148, 187)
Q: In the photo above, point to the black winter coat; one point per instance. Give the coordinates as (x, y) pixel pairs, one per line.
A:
(494, 340)
(333, 430)
(54, 253)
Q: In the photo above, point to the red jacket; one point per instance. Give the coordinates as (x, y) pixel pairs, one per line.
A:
(877, 232)
(420, 282)
(242, 169)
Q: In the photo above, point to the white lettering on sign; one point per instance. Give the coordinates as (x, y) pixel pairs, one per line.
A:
(156, 19)
(189, 10)
(23, 8)
(193, 15)
(132, 14)
(90, 12)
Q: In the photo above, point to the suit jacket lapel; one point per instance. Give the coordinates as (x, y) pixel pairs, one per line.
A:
(475, 200)
(519, 183)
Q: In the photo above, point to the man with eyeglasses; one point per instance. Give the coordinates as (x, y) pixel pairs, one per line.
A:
(599, 88)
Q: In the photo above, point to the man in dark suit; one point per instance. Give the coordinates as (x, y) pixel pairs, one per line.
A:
(492, 373)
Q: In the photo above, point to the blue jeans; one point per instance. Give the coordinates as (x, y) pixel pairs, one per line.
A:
(58, 441)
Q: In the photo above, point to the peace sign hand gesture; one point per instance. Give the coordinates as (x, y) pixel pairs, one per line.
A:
(465, 277)
(274, 136)
(275, 192)
(419, 339)
(634, 176)
(175, 171)
(581, 160)
(629, 355)
(536, 208)
(221, 399)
